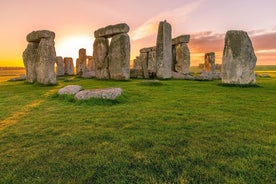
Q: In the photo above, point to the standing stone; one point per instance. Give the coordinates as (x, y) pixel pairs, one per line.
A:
(60, 66)
(30, 58)
(81, 69)
(137, 63)
(77, 65)
(39, 57)
(164, 51)
(182, 58)
(68, 66)
(239, 60)
(90, 63)
(152, 59)
(209, 62)
(119, 54)
(46, 63)
(144, 61)
(100, 54)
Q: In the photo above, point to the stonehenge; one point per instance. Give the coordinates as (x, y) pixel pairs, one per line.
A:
(169, 58)
(239, 60)
(39, 57)
(112, 61)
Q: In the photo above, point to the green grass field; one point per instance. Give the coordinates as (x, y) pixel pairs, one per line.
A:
(177, 132)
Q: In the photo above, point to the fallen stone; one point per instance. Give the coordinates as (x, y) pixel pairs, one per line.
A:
(176, 75)
(181, 39)
(111, 30)
(109, 93)
(36, 36)
(70, 90)
(239, 59)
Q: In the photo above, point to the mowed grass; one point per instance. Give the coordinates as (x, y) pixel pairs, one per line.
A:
(176, 132)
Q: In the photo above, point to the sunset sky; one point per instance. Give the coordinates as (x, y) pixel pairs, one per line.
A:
(74, 22)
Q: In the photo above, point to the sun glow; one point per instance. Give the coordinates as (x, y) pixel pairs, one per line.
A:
(69, 46)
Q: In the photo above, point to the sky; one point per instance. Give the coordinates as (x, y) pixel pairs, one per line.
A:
(74, 22)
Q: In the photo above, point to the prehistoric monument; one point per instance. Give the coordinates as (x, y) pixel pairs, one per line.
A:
(112, 61)
(239, 60)
(170, 58)
(39, 57)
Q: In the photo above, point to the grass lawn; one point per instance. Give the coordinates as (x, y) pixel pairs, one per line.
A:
(177, 132)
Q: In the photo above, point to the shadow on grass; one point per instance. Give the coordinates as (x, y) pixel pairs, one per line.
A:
(151, 83)
(240, 85)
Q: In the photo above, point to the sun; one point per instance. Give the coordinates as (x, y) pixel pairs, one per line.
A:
(69, 46)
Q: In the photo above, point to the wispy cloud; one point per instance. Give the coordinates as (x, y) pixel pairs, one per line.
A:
(178, 15)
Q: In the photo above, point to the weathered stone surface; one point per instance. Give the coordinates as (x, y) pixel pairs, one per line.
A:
(119, 56)
(181, 39)
(39, 57)
(144, 60)
(111, 30)
(100, 53)
(137, 64)
(152, 60)
(164, 51)
(45, 72)
(182, 58)
(147, 49)
(89, 74)
(176, 75)
(209, 62)
(209, 76)
(109, 93)
(70, 90)
(36, 36)
(30, 56)
(136, 73)
(81, 67)
(239, 60)
(59, 66)
(68, 66)
(90, 63)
